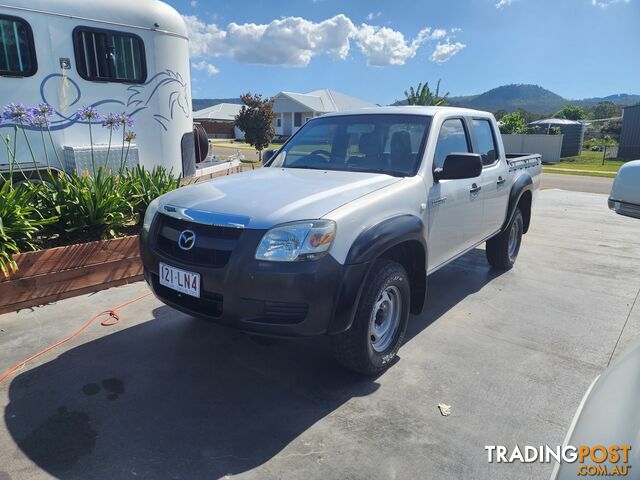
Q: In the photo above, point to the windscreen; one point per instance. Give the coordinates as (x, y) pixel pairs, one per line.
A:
(381, 143)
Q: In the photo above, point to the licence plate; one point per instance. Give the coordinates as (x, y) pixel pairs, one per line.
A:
(180, 280)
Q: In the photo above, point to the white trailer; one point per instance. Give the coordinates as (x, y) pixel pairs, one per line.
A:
(117, 56)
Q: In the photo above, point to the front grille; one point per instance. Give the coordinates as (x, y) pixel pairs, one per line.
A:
(213, 246)
(209, 304)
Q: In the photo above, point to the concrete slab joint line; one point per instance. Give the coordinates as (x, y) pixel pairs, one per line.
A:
(623, 327)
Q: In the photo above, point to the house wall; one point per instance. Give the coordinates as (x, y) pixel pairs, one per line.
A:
(218, 129)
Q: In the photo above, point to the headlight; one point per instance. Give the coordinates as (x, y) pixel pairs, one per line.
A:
(152, 209)
(294, 242)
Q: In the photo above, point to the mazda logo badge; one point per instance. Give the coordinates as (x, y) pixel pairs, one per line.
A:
(187, 240)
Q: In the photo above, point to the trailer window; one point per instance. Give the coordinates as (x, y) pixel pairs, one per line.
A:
(109, 56)
(17, 53)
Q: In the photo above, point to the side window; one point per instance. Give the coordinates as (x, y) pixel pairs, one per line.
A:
(17, 52)
(109, 56)
(451, 139)
(486, 140)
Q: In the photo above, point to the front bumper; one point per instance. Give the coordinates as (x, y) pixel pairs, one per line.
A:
(271, 298)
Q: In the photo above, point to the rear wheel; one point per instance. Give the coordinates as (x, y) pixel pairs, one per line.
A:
(380, 323)
(502, 250)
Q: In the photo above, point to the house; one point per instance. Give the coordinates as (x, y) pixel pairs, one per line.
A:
(294, 109)
(219, 120)
(629, 148)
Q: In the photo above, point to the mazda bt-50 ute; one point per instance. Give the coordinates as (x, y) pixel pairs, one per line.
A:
(337, 235)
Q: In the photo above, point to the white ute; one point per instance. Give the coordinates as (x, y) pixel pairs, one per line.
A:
(338, 235)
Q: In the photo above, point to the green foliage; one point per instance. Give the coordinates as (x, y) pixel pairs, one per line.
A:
(571, 112)
(142, 186)
(255, 119)
(554, 131)
(424, 96)
(606, 110)
(513, 123)
(20, 221)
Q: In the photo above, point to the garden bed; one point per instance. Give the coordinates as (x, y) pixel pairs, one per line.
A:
(52, 274)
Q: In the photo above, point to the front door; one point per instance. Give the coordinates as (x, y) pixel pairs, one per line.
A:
(454, 207)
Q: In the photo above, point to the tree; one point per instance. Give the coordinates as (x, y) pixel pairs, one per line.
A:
(424, 96)
(513, 123)
(571, 112)
(500, 113)
(606, 110)
(255, 119)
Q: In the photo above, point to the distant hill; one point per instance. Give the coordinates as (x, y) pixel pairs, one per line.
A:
(533, 98)
(200, 103)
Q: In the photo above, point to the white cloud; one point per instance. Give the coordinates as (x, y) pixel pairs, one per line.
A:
(194, 3)
(606, 3)
(372, 15)
(503, 3)
(205, 66)
(444, 51)
(294, 41)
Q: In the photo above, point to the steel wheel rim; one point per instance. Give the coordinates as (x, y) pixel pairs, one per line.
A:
(513, 240)
(385, 318)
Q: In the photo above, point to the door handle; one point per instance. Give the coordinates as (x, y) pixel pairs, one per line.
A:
(475, 188)
(501, 180)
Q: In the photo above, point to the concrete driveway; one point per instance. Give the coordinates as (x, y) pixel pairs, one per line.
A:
(162, 395)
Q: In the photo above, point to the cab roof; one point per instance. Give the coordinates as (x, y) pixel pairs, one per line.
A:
(411, 110)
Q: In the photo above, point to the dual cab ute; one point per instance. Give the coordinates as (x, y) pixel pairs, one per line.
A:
(338, 234)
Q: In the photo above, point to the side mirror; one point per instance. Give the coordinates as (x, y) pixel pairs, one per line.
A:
(459, 165)
(267, 155)
(625, 194)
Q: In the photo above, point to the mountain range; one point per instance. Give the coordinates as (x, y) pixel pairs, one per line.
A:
(533, 98)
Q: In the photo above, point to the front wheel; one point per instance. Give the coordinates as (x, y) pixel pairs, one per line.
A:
(380, 323)
(502, 250)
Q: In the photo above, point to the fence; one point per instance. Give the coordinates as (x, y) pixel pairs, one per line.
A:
(549, 146)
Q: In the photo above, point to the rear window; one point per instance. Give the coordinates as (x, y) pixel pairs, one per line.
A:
(17, 52)
(109, 56)
(486, 141)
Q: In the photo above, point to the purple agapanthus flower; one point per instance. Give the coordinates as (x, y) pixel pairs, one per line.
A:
(111, 121)
(43, 109)
(17, 113)
(88, 113)
(125, 120)
(39, 121)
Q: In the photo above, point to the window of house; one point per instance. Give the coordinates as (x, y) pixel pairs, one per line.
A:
(297, 119)
(486, 141)
(110, 56)
(17, 52)
(451, 139)
(279, 121)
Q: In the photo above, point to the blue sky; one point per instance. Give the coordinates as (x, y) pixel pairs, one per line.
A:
(375, 49)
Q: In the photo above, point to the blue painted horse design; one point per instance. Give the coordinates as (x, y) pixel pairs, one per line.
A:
(142, 98)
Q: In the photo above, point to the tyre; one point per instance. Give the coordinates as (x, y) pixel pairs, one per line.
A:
(378, 329)
(502, 250)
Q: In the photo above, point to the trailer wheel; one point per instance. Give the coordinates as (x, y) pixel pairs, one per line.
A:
(378, 329)
(502, 250)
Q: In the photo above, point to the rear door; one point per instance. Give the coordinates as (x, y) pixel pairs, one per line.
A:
(494, 177)
(454, 206)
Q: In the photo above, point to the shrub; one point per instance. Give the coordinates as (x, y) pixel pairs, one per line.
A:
(88, 208)
(143, 186)
(20, 220)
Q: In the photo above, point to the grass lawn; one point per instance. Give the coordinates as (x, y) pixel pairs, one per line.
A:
(588, 160)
